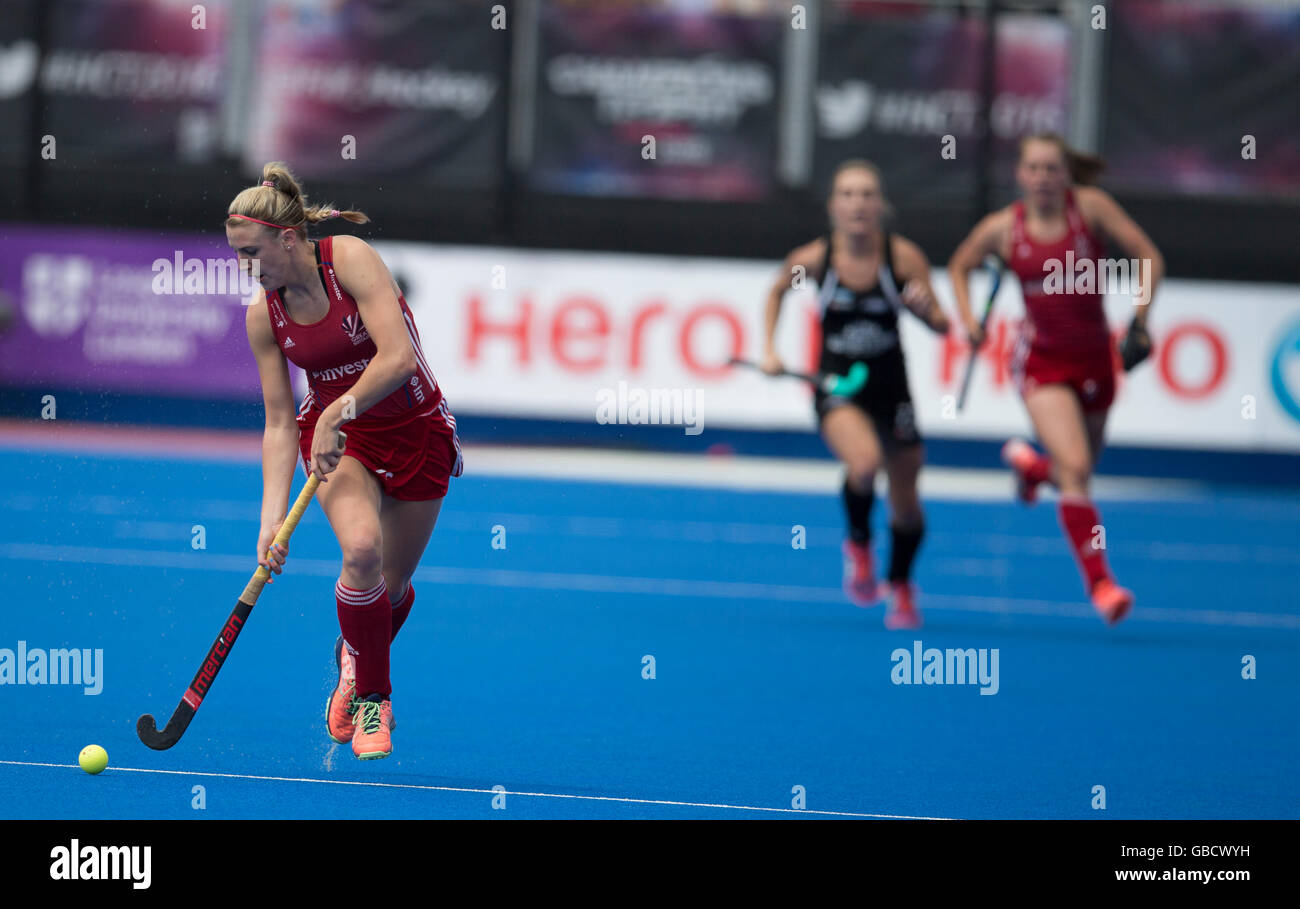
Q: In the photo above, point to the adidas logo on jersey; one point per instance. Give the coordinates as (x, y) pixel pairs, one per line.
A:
(288, 342)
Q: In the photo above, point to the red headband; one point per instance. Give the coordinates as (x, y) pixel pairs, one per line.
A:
(267, 223)
(334, 213)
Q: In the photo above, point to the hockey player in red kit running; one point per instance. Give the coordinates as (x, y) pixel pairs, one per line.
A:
(331, 307)
(1064, 363)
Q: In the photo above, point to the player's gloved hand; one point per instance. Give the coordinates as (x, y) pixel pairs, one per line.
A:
(975, 332)
(1136, 345)
(272, 560)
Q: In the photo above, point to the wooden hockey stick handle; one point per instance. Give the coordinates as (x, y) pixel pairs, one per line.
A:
(259, 578)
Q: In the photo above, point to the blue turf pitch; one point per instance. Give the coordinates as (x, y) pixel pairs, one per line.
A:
(522, 667)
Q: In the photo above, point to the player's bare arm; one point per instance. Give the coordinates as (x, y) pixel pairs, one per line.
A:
(280, 438)
(364, 276)
(913, 272)
(989, 237)
(799, 266)
(1110, 220)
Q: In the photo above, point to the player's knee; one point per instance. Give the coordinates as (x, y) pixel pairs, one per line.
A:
(1073, 473)
(907, 511)
(862, 471)
(397, 587)
(362, 553)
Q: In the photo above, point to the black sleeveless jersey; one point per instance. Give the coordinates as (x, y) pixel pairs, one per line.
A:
(859, 325)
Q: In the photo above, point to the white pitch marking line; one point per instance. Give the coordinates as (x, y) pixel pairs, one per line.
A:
(542, 795)
(694, 531)
(754, 473)
(628, 584)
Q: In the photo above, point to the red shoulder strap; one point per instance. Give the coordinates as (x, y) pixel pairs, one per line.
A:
(1017, 224)
(1072, 214)
(275, 308)
(325, 252)
(1078, 223)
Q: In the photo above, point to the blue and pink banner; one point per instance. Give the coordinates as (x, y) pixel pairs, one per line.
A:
(126, 81)
(906, 91)
(1202, 98)
(356, 90)
(703, 88)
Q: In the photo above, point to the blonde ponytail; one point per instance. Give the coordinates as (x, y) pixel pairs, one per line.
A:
(278, 201)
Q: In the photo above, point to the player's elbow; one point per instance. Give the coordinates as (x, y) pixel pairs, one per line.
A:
(960, 263)
(406, 364)
(1157, 261)
(397, 359)
(281, 414)
(282, 421)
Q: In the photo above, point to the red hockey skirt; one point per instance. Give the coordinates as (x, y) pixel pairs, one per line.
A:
(1091, 375)
(413, 462)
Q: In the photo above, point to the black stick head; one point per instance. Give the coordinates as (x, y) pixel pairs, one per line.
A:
(147, 729)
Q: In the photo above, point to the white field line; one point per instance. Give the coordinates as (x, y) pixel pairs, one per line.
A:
(592, 465)
(640, 530)
(622, 585)
(492, 792)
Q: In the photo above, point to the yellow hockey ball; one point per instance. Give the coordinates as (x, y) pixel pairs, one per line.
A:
(93, 759)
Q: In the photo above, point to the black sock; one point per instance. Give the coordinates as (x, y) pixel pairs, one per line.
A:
(907, 540)
(858, 507)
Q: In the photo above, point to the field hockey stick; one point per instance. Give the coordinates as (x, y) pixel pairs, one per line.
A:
(994, 265)
(146, 727)
(844, 386)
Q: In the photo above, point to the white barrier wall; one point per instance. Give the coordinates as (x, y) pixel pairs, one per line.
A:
(544, 334)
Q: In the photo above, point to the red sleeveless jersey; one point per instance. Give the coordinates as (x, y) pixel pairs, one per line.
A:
(334, 351)
(1064, 323)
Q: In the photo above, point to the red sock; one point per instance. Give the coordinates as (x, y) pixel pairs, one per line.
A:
(1078, 518)
(402, 609)
(1040, 470)
(365, 617)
